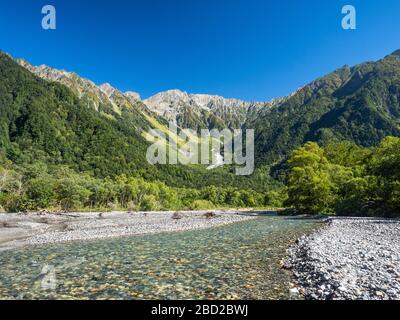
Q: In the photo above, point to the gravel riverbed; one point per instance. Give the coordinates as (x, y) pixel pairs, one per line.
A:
(348, 259)
(18, 230)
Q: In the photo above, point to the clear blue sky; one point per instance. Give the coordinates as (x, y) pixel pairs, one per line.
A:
(248, 49)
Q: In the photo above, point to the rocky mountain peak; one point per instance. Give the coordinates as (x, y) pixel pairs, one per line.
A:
(170, 96)
(184, 108)
(107, 89)
(132, 96)
(180, 107)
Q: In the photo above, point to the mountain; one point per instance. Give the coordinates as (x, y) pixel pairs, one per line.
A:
(194, 111)
(359, 104)
(201, 111)
(103, 98)
(95, 95)
(50, 123)
(46, 121)
(67, 142)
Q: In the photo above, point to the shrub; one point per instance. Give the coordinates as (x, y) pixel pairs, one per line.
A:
(149, 203)
(201, 205)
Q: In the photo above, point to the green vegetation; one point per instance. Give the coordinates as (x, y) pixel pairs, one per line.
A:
(345, 179)
(35, 187)
(59, 152)
(359, 104)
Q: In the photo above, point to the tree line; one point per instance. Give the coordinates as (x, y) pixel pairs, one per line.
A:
(345, 179)
(59, 188)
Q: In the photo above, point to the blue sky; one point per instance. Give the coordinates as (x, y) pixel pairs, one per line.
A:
(248, 49)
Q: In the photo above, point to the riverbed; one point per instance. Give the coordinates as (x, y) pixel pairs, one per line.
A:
(349, 259)
(21, 230)
(234, 261)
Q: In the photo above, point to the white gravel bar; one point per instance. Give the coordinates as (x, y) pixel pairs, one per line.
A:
(19, 230)
(349, 259)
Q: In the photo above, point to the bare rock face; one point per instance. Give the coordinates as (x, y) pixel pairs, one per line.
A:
(107, 89)
(177, 106)
(133, 96)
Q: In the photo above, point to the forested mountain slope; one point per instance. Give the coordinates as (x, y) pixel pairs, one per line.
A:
(47, 122)
(360, 104)
(66, 142)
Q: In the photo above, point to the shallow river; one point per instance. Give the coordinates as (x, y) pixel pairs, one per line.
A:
(238, 261)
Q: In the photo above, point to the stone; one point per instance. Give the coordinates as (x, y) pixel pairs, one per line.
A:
(294, 291)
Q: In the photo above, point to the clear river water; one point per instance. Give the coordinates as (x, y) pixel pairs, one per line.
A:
(238, 261)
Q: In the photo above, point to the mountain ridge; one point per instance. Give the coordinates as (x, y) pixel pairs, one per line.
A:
(104, 93)
(182, 108)
(358, 103)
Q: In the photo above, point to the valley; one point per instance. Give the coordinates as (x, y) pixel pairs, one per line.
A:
(67, 145)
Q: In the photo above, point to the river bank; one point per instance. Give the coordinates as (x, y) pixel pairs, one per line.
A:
(19, 230)
(349, 259)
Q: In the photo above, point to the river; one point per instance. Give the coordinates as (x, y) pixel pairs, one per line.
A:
(238, 261)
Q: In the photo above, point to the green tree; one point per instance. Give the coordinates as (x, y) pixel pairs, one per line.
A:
(41, 193)
(310, 189)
